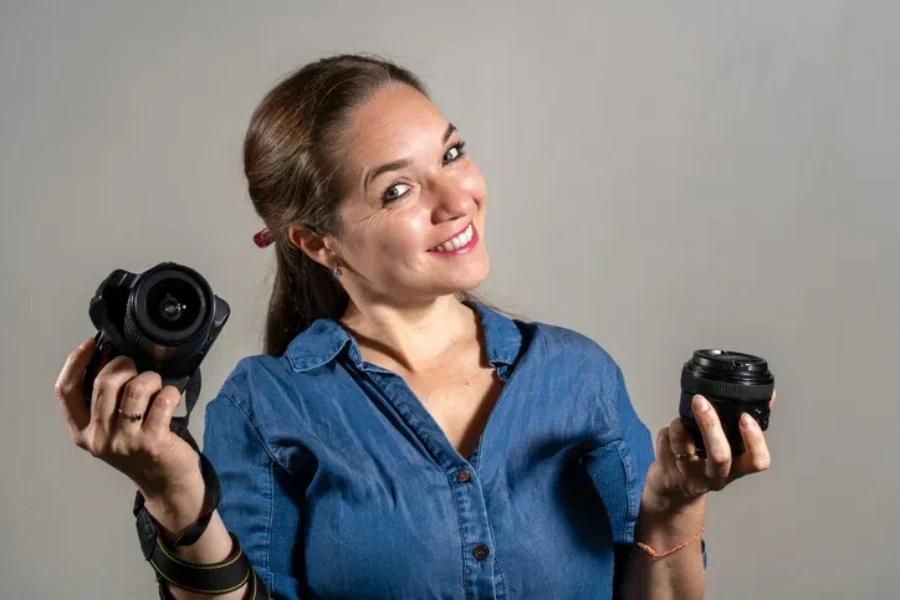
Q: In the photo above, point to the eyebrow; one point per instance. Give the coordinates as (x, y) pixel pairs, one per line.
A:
(450, 129)
(402, 163)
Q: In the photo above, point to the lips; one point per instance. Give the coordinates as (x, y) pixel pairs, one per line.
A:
(457, 241)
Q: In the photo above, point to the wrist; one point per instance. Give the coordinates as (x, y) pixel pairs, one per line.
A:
(178, 506)
(664, 523)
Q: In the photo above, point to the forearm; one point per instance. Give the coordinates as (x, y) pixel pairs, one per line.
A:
(680, 575)
(176, 512)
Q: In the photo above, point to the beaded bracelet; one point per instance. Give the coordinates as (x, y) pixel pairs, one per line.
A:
(656, 555)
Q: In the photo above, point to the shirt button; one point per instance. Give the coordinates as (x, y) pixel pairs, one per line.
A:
(481, 552)
(463, 476)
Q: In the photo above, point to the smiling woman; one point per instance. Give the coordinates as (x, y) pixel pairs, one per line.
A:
(352, 167)
(399, 438)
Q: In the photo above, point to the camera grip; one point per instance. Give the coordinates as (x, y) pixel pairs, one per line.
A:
(102, 354)
(105, 351)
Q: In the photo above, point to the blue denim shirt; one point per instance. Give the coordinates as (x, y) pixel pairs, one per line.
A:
(339, 483)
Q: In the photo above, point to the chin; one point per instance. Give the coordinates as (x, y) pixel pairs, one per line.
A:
(470, 278)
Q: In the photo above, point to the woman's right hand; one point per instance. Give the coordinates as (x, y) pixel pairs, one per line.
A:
(161, 464)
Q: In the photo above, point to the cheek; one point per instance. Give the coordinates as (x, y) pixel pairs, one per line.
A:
(406, 234)
(473, 182)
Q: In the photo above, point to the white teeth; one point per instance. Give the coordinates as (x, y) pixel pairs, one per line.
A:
(458, 242)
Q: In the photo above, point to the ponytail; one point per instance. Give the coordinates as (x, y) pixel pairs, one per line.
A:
(304, 291)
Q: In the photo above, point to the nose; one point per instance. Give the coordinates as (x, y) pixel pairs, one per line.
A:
(451, 199)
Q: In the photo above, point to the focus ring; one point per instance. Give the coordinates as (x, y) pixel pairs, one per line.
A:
(725, 389)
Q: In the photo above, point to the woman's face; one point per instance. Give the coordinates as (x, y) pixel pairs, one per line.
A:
(413, 221)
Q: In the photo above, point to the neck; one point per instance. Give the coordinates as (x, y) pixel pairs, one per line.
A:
(415, 337)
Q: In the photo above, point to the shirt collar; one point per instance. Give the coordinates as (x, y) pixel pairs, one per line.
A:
(502, 338)
(325, 339)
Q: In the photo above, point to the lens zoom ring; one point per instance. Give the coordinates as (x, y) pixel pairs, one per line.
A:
(158, 351)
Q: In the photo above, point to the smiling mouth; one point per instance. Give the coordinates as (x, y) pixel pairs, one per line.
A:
(457, 241)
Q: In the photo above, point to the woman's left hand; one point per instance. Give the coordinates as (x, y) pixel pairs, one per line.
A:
(678, 477)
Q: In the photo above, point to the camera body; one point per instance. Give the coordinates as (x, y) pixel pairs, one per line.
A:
(165, 319)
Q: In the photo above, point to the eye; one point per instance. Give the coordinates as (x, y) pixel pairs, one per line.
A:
(454, 153)
(395, 192)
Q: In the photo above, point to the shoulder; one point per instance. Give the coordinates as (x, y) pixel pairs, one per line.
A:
(252, 373)
(569, 360)
(261, 387)
(583, 368)
(269, 389)
(573, 347)
(258, 399)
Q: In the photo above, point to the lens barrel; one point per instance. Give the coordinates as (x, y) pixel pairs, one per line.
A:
(169, 312)
(734, 383)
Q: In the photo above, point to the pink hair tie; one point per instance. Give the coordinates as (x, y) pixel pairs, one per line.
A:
(263, 238)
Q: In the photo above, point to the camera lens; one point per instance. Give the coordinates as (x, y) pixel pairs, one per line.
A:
(169, 311)
(171, 308)
(173, 304)
(734, 383)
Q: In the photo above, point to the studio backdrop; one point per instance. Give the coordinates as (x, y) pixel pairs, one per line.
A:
(663, 176)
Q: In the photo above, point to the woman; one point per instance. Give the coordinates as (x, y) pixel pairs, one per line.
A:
(400, 438)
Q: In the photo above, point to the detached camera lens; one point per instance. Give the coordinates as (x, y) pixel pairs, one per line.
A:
(734, 383)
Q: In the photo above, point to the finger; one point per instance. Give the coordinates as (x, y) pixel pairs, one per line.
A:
(115, 374)
(756, 457)
(772, 401)
(135, 399)
(68, 387)
(664, 450)
(159, 417)
(718, 451)
(683, 448)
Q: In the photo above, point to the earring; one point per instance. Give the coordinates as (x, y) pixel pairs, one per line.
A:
(336, 271)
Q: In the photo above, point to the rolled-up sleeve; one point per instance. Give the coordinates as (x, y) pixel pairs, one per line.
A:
(249, 479)
(618, 464)
(618, 468)
(639, 441)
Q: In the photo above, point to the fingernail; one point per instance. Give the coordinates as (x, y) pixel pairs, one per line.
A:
(747, 421)
(700, 403)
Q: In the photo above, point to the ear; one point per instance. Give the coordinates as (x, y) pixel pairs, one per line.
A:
(313, 244)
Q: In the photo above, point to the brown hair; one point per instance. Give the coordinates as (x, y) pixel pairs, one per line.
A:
(291, 161)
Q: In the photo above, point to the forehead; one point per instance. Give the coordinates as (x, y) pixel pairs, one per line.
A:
(396, 122)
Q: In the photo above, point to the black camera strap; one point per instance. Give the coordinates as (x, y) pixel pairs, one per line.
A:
(219, 578)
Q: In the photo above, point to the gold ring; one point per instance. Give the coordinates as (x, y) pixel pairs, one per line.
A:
(690, 455)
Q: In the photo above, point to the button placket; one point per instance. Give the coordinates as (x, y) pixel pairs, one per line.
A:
(467, 492)
(481, 573)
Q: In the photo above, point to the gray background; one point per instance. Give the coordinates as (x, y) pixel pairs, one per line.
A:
(664, 176)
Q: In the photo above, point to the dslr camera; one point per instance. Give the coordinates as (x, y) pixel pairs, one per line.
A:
(165, 319)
